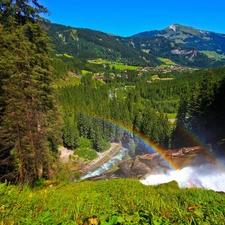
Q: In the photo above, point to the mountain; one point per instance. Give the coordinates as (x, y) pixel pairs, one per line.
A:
(89, 44)
(210, 43)
(165, 48)
(144, 48)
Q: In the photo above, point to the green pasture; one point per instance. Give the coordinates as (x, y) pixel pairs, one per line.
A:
(119, 66)
(166, 61)
(116, 65)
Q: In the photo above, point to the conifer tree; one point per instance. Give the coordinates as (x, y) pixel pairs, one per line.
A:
(28, 109)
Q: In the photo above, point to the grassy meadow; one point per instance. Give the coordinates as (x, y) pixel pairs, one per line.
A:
(116, 65)
(166, 61)
(108, 202)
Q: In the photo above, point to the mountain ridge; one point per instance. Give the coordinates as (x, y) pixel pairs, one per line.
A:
(140, 49)
(190, 37)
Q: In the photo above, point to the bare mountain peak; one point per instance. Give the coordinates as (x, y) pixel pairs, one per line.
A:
(173, 27)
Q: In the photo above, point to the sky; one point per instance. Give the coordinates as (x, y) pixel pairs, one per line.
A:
(128, 17)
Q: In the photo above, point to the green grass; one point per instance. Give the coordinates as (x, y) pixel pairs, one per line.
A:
(121, 201)
(67, 82)
(155, 77)
(58, 55)
(99, 61)
(85, 72)
(66, 55)
(214, 55)
(86, 153)
(166, 61)
(117, 65)
(167, 78)
(171, 115)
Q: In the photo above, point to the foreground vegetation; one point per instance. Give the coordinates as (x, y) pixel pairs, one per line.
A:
(110, 202)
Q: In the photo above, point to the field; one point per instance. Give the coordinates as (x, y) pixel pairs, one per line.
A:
(122, 201)
(119, 66)
(167, 62)
(69, 81)
(116, 65)
(156, 77)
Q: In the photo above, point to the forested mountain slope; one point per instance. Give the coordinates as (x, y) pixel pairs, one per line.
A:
(165, 48)
(141, 49)
(90, 44)
(210, 43)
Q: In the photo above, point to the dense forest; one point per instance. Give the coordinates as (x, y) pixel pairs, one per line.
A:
(92, 108)
(37, 114)
(29, 121)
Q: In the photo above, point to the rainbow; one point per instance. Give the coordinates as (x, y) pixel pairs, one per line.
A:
(157, 149)
(171, 164)
(153, 147)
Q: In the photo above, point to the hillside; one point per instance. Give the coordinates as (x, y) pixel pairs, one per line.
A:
(89, 44)
(210, 43)
(176, 44)
(165, 48)
(121, 201)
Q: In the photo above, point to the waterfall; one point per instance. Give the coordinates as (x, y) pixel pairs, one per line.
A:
(205, 176)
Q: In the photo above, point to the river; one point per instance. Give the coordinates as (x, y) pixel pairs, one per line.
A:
(107, 165)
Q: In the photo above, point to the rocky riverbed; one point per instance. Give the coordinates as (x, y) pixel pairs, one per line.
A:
(144, 165)
(154, 163)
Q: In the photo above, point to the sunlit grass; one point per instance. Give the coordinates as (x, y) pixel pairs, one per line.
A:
(166, 61)
(123, 67)
(121, 201)
(69, 81)
(85, 72)
(116, 65)
(171, 115)
(213, 55)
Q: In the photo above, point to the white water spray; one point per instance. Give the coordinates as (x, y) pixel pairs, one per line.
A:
(206, 176)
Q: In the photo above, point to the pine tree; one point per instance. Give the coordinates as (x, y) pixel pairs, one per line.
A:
(201, 101)
(28, 138)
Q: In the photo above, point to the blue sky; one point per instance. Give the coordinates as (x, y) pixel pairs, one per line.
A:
(128, 17)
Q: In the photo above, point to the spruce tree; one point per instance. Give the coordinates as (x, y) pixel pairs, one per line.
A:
(28, 109)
